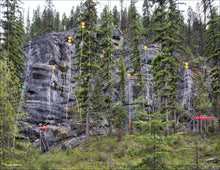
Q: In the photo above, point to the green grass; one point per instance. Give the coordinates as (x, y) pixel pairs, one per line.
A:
(125, 154)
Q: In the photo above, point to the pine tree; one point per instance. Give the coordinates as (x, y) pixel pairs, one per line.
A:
(98, 104)
(64, 22)
(116, 16)
(146, 20)
(72, 19)
(87, 59)
(10, 116)
(57, 22)
(122, 80)
(106, 49)
(135, 34)
(212, 52)
(164, 65)
(36, 26)
(28, 27)
(48, 18)
(157, 150)
(7, 109)
(13, 37)
(124, 21)
(78, 14)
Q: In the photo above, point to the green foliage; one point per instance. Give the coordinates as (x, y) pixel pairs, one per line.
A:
(212, 51)
(116, 16)
(122, 80)
(106, 50)
(120, 116)
(13, 36)
(8, 111)
(124, 20)
(202, 103)
(87, 58)
(135, 35)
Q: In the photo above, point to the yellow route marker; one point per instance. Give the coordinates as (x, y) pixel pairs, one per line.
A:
(186, 65)
(83, 25)
(69, 39)
(145, 47)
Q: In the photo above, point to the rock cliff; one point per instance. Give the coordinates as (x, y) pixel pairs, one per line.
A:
(48, 97)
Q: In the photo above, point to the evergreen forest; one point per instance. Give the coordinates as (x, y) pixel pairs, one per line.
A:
(122, 106)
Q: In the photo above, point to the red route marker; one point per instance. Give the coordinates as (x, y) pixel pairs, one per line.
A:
(46, 127)
(201, 117)
(204, 117)
(210, 117)
(40, 127)
(197, 117)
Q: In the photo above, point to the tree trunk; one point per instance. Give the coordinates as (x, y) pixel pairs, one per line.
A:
(87, 123)
(174, 126)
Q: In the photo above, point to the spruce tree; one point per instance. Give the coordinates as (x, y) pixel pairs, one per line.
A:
(146, 20)
(28, 27)
(11, 118)
(122, 80)
(116, 16)
(36, 26)
(57, 22)
(13, 37)
(156, 151)
(106, 49)
(64, 22)
(124, 21)
(48, 17)
(120, 113)
(135, 34)
(72, 19)
(164, 65)
(212, 52)
(87, 59)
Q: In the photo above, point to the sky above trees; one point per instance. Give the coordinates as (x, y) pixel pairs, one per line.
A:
(66, 5)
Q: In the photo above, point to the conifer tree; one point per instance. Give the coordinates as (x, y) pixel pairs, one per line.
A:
(9, 94)
(135, 34)
(78, 14)
(120, 113)
(106, 48)
(7, 110)
(48, 18)
(64, 22)
(124, 21)
(87, 59)
(122, 80)
(36, 26)
(72, 19)
(28, 27)
(98, 104)
(156, 151)
(164, 65)
(13, 37)
(146, 20)
(212, 52)
(57, 22)
(116, 16)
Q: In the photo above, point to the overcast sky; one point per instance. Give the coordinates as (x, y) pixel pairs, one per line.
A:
(66, 5)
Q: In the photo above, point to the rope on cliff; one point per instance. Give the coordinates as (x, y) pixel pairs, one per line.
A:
(81, 61)
(69, 40)
(184, 93)
(53, 67)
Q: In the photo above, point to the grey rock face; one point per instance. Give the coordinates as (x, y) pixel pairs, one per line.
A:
(72, 143)
(48, 96)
